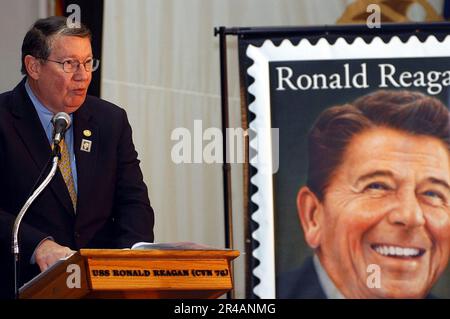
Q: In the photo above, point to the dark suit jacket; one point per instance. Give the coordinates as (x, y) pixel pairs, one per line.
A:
(301, 283)
(113, 209)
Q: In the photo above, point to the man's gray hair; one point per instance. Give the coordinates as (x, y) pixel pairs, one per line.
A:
(38, 40)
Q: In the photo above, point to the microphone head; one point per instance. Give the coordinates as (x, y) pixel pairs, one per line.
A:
(61, 122)
(63, 119)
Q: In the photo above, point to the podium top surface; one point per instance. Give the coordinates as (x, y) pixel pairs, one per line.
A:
(160, 253)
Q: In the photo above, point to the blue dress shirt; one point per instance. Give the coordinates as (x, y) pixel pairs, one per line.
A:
(45, 115)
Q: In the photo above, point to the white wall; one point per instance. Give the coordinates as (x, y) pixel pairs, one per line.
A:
(16, 17)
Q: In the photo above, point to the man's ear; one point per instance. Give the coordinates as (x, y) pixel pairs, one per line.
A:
(33, 66)
(310, 213)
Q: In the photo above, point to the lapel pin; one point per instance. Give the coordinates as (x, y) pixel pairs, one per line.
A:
(86, 145)
(87, 133)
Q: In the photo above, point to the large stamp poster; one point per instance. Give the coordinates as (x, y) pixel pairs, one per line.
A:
(292, 85)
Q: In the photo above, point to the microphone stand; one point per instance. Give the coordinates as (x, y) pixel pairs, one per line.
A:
(56, 154)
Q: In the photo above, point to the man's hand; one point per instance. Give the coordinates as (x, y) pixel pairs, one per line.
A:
(50, 252)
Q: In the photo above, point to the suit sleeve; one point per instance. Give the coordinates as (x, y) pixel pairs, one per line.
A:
(29, 237)
(133, 213)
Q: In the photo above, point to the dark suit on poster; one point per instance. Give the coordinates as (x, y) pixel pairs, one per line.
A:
(113, 209)
(301, 283)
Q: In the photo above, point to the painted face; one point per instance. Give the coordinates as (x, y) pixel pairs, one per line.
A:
(387, 205)
(60, 91)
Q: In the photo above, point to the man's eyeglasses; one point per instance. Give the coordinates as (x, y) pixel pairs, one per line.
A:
(72, 66)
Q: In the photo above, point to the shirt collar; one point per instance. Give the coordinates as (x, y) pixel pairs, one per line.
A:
(325, 281)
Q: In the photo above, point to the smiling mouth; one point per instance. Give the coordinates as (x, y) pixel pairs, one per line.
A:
(397, 251)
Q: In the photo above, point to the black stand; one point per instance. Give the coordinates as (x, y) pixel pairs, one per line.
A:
(228, 211)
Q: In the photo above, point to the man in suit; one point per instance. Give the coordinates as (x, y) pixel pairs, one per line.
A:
(376, 206)
(98, 199)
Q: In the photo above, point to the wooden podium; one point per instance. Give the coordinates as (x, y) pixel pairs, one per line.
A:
(114, 273)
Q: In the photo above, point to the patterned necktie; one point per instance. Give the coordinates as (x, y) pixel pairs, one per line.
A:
(66, 171)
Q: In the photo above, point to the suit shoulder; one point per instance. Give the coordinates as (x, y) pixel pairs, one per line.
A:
(4, 99)
(300, 283)
(102, 107)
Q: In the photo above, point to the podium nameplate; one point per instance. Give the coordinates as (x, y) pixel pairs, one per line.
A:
(111, 273)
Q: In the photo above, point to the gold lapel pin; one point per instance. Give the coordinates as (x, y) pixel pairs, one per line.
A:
(87, 133)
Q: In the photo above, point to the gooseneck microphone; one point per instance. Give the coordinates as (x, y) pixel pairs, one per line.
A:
(61, 122)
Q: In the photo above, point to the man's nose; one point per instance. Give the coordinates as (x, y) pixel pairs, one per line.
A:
(81, 74)
(408, 212)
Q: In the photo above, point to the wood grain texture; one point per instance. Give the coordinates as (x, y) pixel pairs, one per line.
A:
(53, 284)
(110, 273)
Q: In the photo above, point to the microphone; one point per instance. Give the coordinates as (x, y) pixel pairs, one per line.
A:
(61, 123)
